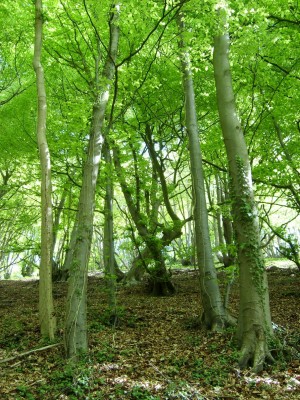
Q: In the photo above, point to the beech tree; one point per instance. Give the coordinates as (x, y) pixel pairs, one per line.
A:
(214, 314)
(76, 327)
(108, 233)
(47, 319)
(147, 225)
(150, 119)
(224, 233)
(254, 323)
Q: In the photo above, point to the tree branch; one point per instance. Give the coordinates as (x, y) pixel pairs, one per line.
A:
(26, 353)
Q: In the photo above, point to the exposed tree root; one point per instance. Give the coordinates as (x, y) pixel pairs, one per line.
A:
(254, 350)
(217, 323)
(161, 288)
(155, 285)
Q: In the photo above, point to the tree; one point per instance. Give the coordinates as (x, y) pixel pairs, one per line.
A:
(47, 319)
(254, 323)
(108, 235)
(15, 43)
(76, 326)
(147, 227)
(224, 234)
(214, 314)
(57, 272)
(150, 124)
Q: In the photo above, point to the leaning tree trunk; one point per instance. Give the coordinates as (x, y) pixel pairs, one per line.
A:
(214, 314)
(76, 312)
(254, 324)
(46, 313)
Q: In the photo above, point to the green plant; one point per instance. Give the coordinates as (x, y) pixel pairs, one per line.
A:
(107, 353)
(96, 326)
(12, 332)
(139, 393)
(179, 362)
(182, 391)
(74, 380)
(213, 375)
(25, 393)
(108, 317)
(213, 346)
(194, 340)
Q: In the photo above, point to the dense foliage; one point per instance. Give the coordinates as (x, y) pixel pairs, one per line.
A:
(119, 134)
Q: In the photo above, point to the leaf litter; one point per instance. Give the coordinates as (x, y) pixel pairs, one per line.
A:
(156, 351)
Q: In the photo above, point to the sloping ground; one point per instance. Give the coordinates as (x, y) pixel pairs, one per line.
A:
(156, 351)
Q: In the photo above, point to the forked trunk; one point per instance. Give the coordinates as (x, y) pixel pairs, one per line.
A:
(159, 277)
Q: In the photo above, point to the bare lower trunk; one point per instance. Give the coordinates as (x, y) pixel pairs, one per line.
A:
(46, 313)
(75, 326)
(224, 228)
(108, 238)
(76, 341)
(56, 267)
(254, 324)
(214, 314)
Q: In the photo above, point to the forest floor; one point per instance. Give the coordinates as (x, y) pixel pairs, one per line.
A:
(157, 351)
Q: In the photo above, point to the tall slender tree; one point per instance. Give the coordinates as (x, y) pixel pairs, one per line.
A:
(46, 312)
(254, 323)
(76, 340)
(108, 236)
(214, 314)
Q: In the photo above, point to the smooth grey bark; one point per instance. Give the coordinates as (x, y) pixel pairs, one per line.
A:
(46, 311)
(214, 314)
(69, 251)
(76, 340)
(56, 268)
(108, 236)
(254, 323)
(224, 224)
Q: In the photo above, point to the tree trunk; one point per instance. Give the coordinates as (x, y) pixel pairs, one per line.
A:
(160, 274)
(75, 326)
(138, 267)
(46, 313)
(224, 228)
(214, 315)
(108, 237)
(56, 267)
(153, 243)
(254, 324)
